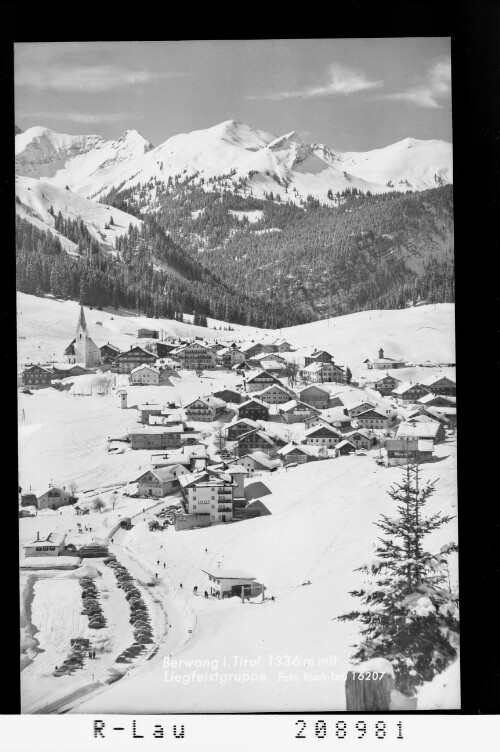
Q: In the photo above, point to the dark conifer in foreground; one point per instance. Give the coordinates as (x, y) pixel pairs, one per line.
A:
(409, 614)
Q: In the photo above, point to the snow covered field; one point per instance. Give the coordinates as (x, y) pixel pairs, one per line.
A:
(320, 528)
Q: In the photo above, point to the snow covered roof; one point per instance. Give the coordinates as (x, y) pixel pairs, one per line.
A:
(297, 404)
(145, 366)
(162, 473)
(295, 448)
(431, 380)
(361, 431)
(256, 433)
(247, 421)
(271, 387)
(330, 429)
(253, 399)
(429, 397)
(260, 374)
(418, 430)
(344, 443)
(236, 468)
(228, 574)
(210, 401)
(402, 388)
(314, 387)
(264, 460)
(369, 412)
(52, 539)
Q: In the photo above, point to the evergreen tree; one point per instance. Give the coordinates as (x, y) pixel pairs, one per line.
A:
(409, 614)
(348, 375)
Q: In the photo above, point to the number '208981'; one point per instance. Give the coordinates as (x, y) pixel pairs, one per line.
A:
(357, 730)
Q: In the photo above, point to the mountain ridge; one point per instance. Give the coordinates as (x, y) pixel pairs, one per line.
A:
(265, 162)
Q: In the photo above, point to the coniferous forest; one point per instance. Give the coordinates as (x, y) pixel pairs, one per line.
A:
(263, 262)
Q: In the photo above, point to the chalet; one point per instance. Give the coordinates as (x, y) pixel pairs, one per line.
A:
(242, 367)
(275, 394)
(386, 384)
(436, 400)
(229, 356)
(134, 357)
(156, 437)
(332, 417)
(279, 345)
(162, 349)
(383, 362)
(372, 419)
(230, 396)
(429, 412)
(440, 385)
(195, 357)
(83, 349)
(257, 462)
(361, 439)
(273, 366)
(159, 481)
(320, 372)
(148, 334)
(145, 374)
(296, 412)
(205, 409)
(321, 436)
(146, 410)
(28, 499)
(228, 583)
(359, 407)
(54, 498)
(344, 447)
(209, 492)
(315, 396)
(192, 458)
(318, 356)
(402, 451)
(253, 409)
(37, 377)
(237, 428)
(259, 381)
(108, 352)
(292, 452)
(65, 370)
(434, 431)
(408, 393)
(446, 415)
(250, 349)
(263, 357)
(255, 440)
(51, 545)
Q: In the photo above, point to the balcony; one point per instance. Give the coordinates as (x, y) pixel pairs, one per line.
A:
(225, 508)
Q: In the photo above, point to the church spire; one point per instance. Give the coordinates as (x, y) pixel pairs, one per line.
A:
(82, 324)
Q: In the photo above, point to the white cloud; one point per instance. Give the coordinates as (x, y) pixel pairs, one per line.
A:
(339, 80)
(428, 93)
(92, 78)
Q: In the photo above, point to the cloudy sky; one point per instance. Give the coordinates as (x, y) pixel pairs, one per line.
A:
(351, 94)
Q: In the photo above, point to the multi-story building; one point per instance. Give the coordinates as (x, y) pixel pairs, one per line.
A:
(260, 381)
(156, 437)
(133, 358)
(296, 412)
(195, 357)
(319, 372)
(275, 394)
(37, 377)
(315, 396)
(373, 419)
(206, 409)
(210, 493)
(253, 409)
(145, 374)
(237, 428)
(255, 440)
(326, 436)
(440, 385)
(407, 393)
(386, 384)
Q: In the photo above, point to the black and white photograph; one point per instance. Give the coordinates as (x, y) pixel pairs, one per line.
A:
(236, 376)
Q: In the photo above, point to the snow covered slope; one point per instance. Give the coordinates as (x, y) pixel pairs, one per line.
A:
(36, 197)
(41, 152)
(285, 165)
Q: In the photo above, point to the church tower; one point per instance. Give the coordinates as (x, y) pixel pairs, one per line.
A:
(380, 354)
(82, 340)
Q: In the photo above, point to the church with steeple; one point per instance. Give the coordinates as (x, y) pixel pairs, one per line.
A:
(83, 349)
